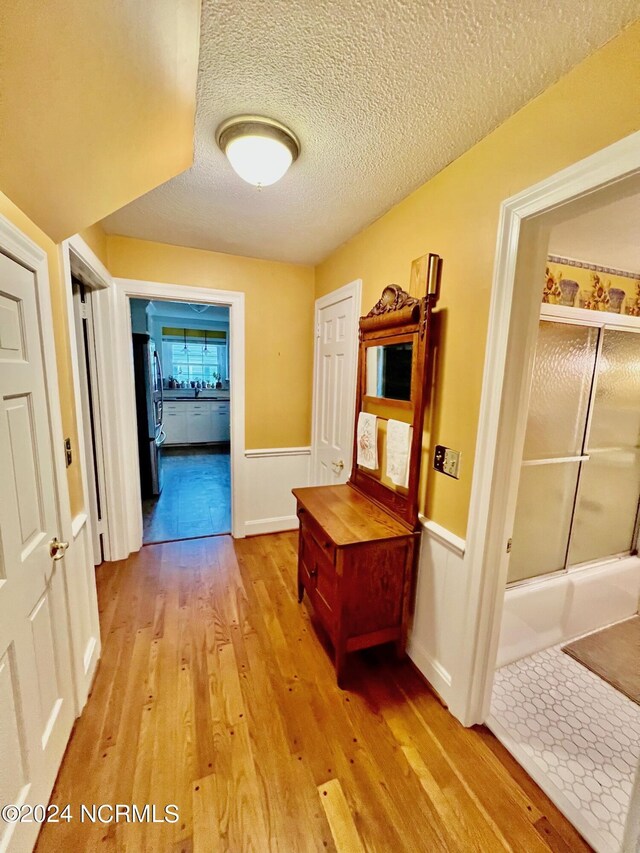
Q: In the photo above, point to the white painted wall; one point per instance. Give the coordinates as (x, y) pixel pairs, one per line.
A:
(270, 475)
(433, 642)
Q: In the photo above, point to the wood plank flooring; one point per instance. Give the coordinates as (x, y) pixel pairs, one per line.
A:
(215, 693)
(196, 495)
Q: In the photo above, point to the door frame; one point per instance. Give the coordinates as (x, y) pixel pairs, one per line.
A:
(123, 442)
(352, 290)
(522, 241)
(97, 278)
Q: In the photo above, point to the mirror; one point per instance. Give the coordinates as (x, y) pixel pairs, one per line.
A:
(389, 371)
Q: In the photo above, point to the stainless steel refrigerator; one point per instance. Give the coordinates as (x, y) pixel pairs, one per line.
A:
(149, 409)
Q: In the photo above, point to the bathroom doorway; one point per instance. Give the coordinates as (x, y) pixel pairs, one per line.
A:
(566, 692)
(182, 389)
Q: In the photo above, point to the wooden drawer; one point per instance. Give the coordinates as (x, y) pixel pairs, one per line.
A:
(318, 574)
(306, 561)
(311, 526)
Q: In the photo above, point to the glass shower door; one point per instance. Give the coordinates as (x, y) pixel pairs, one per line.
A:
(607, 502)
(559, 404)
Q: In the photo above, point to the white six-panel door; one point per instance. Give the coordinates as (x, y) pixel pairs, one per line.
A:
(335, 385)
(36, 690)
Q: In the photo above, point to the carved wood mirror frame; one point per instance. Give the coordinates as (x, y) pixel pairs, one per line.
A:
(396, 318)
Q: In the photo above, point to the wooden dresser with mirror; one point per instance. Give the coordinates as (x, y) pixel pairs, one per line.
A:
(358, 541)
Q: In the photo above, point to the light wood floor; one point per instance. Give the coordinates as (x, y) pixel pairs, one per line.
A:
(215, 692)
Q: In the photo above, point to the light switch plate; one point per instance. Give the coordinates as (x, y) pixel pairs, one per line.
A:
(447, 461)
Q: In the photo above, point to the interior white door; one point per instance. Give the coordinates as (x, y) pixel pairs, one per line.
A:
(36, 688)
(335, 387)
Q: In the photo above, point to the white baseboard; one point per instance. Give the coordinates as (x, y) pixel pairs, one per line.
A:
(433, 671)
(271, 525)
(270, 475)
(433, 642)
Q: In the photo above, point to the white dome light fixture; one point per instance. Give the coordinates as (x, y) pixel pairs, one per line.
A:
(259, 149)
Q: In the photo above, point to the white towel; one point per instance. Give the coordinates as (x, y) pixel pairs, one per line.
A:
(398, 449)
(368, 440)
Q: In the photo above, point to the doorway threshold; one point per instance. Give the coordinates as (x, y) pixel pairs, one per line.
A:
(187, 538)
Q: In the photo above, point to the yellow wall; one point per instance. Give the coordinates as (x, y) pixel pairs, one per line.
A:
(97, 106)
(279, 327)
(59, 309)
(456, 215)
(96, 239)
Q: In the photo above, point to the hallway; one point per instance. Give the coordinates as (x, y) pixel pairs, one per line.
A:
(214, 693)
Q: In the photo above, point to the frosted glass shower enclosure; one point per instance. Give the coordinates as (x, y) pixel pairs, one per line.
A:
(580, 478)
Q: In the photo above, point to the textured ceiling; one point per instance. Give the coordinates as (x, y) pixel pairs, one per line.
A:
(382, 94)
(608, 236)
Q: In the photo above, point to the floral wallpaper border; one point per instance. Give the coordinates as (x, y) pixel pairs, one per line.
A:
(588, 288)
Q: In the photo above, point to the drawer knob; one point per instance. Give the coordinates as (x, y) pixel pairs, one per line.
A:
(314, 572)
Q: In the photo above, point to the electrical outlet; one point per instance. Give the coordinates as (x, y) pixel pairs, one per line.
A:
(447, 461)
(67, 451)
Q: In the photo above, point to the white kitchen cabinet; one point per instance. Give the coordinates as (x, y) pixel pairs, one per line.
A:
(196, 422)
(199, 423)
(175, 423)
(220, 421)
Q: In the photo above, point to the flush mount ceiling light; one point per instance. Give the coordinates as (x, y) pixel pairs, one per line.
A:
(259, 149)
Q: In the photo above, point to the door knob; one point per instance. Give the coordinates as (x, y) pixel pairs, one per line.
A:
(338, 466)
(57, 548)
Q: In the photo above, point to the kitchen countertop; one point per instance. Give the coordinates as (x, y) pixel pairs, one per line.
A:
(192, 398)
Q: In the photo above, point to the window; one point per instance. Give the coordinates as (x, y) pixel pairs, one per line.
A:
(190, 362)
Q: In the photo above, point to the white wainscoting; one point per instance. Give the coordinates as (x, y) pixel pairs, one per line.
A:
(433, 643)
(83, 608)
(270, 475)
(554, 610)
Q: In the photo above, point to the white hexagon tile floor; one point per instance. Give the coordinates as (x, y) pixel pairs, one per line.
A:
(582, 732)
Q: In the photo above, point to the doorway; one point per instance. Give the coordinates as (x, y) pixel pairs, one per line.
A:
(91, 423)
(334, 386)
(182, 391)
(572, 571)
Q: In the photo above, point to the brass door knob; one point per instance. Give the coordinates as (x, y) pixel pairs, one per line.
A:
(57, 548)
(338, 466)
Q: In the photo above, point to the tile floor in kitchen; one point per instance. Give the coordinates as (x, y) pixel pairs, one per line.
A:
(580, 732)
(196, 495)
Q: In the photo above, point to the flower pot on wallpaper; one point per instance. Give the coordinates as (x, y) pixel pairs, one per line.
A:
(568, 291)
(616, 297)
